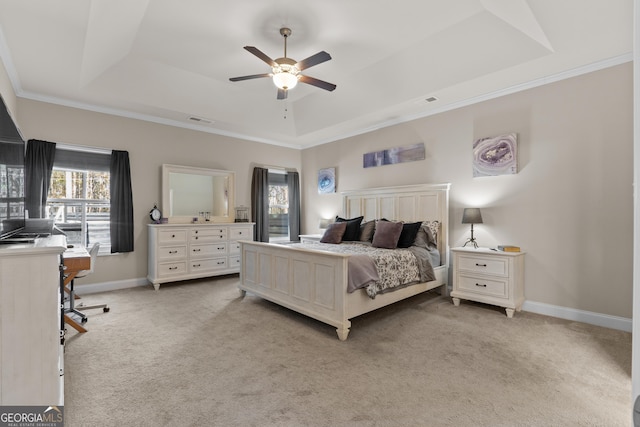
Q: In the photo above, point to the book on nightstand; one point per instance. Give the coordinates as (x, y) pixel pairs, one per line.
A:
(508, 248)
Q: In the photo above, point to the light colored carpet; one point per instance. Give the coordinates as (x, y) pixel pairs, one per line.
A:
(197, 354)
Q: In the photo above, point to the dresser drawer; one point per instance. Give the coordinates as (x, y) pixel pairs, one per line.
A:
(200, 265)
(234, 248)
(486, 265)
(208, 250)
(172, 268)
(234, 262)
(237, 233)
(172, 236)
(214, 234)
(172, 252)
(482, 286)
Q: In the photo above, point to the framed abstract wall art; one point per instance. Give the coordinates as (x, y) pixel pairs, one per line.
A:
(327, 181)
(391, 156)
(496, 155)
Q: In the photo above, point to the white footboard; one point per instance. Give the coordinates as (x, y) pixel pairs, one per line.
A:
(314, 283)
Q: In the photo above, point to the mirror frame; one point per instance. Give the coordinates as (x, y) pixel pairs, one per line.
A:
(166, 208)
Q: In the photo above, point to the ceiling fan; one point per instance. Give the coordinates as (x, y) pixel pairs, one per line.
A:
(286, 71)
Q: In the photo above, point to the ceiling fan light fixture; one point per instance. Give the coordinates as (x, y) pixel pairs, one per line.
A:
(285, 76)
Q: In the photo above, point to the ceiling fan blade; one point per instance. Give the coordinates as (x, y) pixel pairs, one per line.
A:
(316, 59)
(318, 83)
(282, 94)
(253, 76)
(257, 52)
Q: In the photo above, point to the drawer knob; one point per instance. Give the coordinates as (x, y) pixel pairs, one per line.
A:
(481, 265)
(173, 235)
(482, 286)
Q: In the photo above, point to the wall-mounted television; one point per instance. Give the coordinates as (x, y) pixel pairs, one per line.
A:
(12, 187)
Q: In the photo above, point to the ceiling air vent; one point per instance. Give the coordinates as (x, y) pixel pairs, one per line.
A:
(431, 99)
(199, 120)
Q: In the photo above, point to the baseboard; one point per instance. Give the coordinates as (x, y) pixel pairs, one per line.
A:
(93, 288)
(590, 317)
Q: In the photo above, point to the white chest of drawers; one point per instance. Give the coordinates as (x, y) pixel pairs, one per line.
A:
(190, 251)
(490, 277)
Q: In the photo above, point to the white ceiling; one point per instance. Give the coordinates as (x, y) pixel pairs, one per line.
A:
(168, 60)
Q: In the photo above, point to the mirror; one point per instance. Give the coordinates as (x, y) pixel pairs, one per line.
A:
(205, 194)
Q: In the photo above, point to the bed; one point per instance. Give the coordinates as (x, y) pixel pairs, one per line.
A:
(314, 282)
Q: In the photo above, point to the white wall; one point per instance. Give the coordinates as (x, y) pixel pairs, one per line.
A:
(570, 207)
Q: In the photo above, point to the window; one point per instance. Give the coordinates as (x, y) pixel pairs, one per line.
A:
(278, 206)
(78, 198)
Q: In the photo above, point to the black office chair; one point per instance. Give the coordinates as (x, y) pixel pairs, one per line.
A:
(72, 307)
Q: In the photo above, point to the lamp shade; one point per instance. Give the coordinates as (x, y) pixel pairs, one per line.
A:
(285, 80)
(471, 216)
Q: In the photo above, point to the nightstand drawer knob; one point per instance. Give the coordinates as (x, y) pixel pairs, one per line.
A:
(482, 286)
(481, 265)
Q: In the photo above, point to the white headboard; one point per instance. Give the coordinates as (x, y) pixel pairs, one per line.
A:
(409, 203)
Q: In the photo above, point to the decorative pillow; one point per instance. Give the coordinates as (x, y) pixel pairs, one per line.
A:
(353, 228)
(334, 233)
(408, 234)
(366, 230)
(387, 234)
(427, 234)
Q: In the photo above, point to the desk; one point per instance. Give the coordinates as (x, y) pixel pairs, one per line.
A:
(75, 260)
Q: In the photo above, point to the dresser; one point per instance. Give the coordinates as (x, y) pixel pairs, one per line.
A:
(191, 251)
(32, 333)
(488, 276)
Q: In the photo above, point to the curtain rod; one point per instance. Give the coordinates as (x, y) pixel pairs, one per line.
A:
(282, 168)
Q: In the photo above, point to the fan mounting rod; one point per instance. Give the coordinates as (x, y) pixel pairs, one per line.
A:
(285, 32)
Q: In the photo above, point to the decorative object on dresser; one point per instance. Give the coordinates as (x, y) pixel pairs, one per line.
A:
(489, 276)
(471, 216)
(191, 251)
(508, 248)
(316, 282)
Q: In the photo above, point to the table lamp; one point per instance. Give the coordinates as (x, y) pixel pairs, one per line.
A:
(471, 216)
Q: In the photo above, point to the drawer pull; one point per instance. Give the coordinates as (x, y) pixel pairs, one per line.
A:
(173, 268)
(196, 250)
(173, 252)
(173, 235)
(196, 265)
(220, 262)
(480, 265)
(482, 286)
(220, 248)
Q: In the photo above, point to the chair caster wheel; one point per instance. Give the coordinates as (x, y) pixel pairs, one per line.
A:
(105, 310)
(83, 321)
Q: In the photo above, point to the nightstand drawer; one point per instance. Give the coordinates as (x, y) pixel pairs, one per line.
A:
(482, 286)
(476, 264)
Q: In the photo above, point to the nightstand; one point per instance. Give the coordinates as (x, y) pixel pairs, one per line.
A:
(488, 276)
(310, 238)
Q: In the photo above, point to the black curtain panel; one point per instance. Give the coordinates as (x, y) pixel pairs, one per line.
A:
(293, 181)
(38, 167)
(260, 204)
(121, 203)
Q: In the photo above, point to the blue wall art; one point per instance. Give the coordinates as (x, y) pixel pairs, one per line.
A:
(391, 156)
(496, 155)
(327, 181)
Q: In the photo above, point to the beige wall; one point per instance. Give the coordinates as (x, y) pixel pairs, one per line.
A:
(570, 207)
(149, 146)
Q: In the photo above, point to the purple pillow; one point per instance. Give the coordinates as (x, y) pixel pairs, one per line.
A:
(334, 233)
(387, 234)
